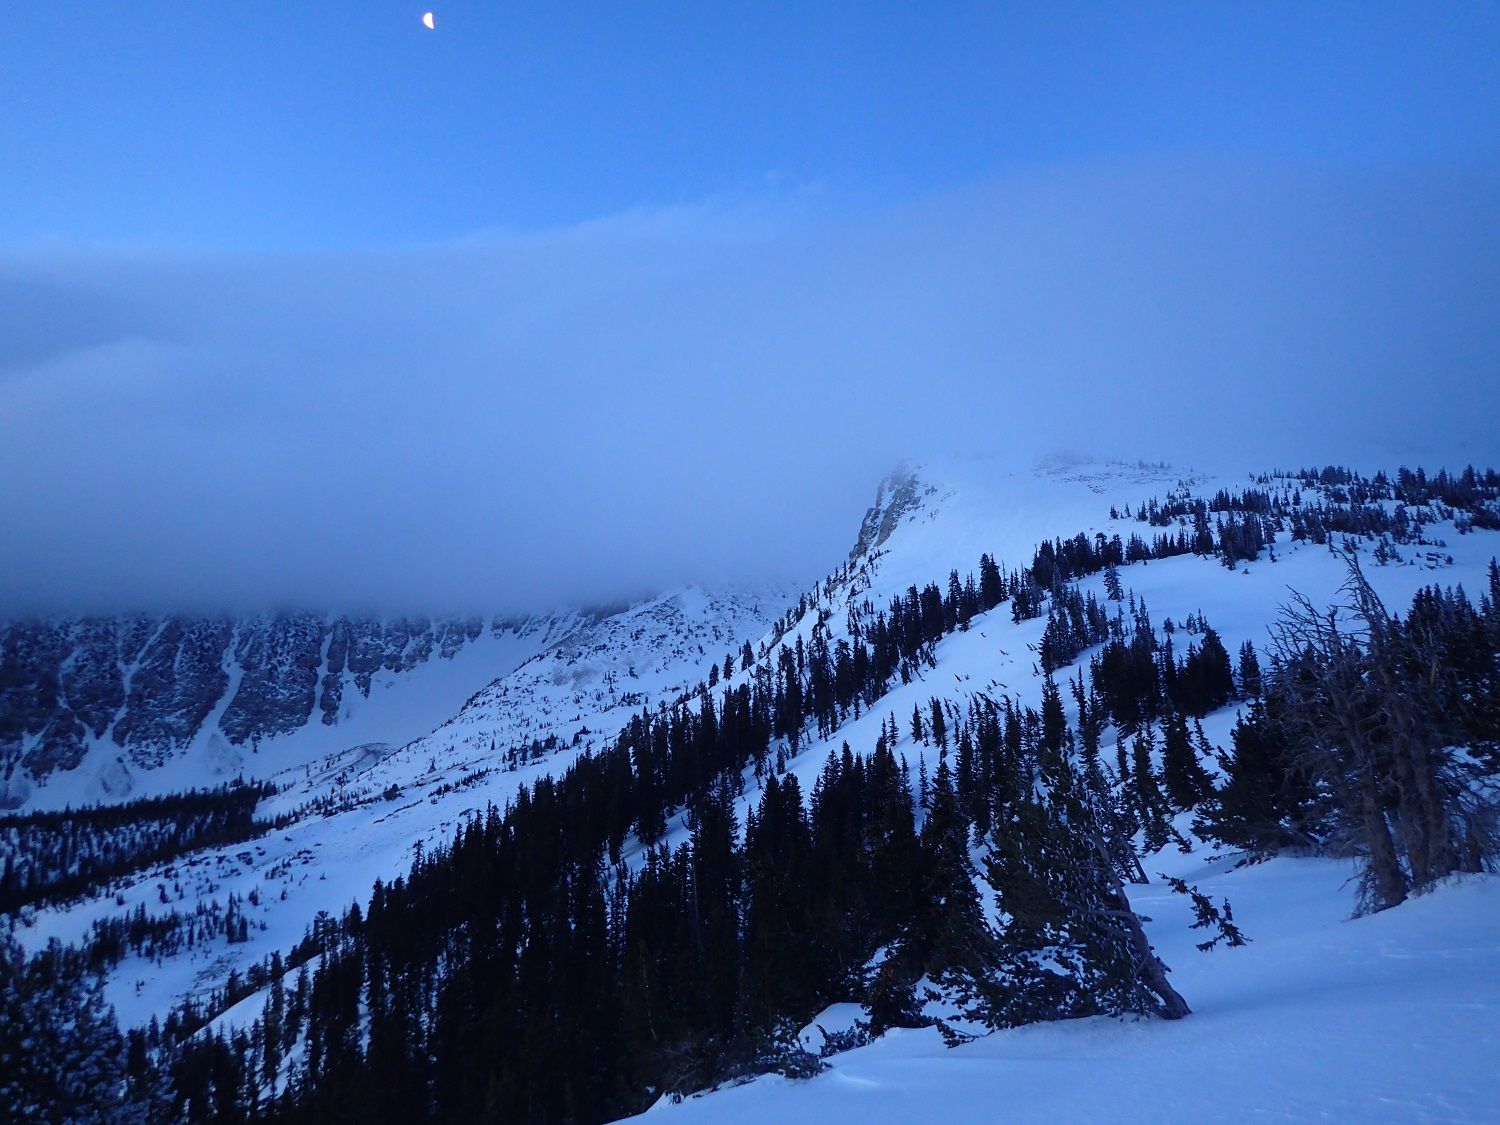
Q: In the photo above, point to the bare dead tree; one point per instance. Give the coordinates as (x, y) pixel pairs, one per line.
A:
(1374, 711)
(1116, 915)
(1329, 714)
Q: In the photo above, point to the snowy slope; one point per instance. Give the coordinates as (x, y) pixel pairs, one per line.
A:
(386, 803)
(254, 697)
(1389, 1018)
(968, 508)
(380, 803)
(586, 688)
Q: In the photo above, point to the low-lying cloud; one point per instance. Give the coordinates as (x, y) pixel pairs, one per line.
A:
(710, 393)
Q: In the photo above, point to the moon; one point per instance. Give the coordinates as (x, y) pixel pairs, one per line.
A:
(428, 21)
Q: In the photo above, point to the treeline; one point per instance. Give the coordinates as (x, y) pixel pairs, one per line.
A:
(155, 937)
(561, 960)
(570, 946)
(1459, 492)
(517, 975)
(476, 936)
(63, 855)
(1337, 501)
(698, 964)
(1140, 679)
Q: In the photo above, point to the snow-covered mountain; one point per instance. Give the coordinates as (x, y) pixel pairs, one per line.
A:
(1322, 1016)
(359, 813)
(105, 708)
(358, 797)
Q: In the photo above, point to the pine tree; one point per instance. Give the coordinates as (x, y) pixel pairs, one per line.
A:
(991, 585)
(1183, 775)
(956, 943)
(938, 724)
(1112, 588)
(1249, 672)
(1070, 944)
(62, 1057)
(778, 973)
(1057, 739)
(1264, 804)
(1149, 802)
(891, 997)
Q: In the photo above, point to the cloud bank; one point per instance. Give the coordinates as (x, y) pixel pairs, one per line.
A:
(711, 393)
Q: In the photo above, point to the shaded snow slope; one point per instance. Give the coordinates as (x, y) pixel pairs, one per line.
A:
(1392, 1018)
(372, 806)
(109, 709)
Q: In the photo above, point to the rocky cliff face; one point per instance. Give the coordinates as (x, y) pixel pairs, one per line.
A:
(899, 493)
(151, 685)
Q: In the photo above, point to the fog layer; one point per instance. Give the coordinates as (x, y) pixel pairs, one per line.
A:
(711, 393)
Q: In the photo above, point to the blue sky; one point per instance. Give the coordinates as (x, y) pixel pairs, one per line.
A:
(318, 124)
(305, 304)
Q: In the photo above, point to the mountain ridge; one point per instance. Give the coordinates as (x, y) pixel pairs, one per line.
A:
(366, 814)
(121, 697)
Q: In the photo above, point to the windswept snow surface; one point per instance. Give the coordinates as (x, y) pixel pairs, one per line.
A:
(1393, 1017)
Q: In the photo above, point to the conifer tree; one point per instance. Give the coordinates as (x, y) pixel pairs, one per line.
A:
(62, 1057)
(1149, 802)
(938, 724)
(1112, 588)
(1184, 777)
(955, 942)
